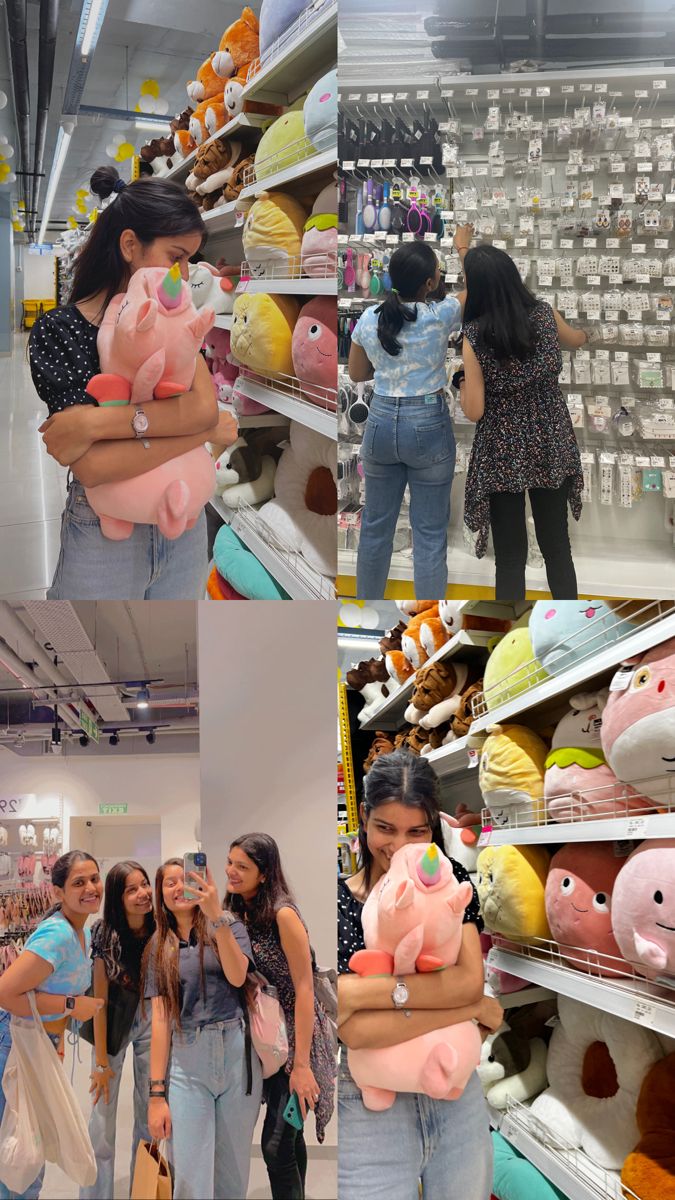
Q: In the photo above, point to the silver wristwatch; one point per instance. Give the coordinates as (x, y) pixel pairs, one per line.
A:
(400, 994)
(225, 918)
(140, 425)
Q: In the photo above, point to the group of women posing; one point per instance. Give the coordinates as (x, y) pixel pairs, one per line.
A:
(508, 384)
(168, 981)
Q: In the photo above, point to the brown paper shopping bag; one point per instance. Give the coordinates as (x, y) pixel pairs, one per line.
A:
(152, 1177)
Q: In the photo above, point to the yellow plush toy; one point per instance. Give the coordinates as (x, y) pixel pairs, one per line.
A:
(511, 884)
(262, 332)
(511, 668)
(282, 145)
(273, 235)
(511, 774)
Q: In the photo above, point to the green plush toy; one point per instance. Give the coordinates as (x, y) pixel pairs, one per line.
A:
(282, 145)
(517, 1179)
(511, 668)
(242, 570)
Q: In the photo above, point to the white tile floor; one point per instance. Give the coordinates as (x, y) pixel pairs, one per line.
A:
(32, 485)
(321, 1172)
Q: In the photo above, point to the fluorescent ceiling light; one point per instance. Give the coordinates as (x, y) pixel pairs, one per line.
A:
(358, 643)
(91, 20)
(143, 123)
(62, 144)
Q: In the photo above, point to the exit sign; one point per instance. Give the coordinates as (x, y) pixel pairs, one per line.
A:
(88, 725)
(112, 810)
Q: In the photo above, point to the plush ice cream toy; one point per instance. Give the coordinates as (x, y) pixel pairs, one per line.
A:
(412, 920)
(511, 883)
(511, 668)
(315, 350)
(148, 344)
(579, 889)
(511, 774)
(567, 631)
(577, 764)
(643, 908)
(262, 332)
(320, 234)
(273, 236)
(638, 724)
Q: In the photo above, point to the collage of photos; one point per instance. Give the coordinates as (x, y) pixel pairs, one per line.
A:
(366, 306)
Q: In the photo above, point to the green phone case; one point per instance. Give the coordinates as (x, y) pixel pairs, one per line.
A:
(292, 1113)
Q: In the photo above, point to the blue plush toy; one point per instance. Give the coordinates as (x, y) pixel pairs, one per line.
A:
(276, 16)
(321, 113)
(242, 570)
(517, 1179)
(564, 632)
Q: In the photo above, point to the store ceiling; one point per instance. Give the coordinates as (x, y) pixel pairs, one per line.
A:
(165, 40)
(356, 644)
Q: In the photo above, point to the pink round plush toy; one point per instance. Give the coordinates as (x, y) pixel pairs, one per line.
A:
(578, 901)
(638, 724)
(315, 350)
(643, 908)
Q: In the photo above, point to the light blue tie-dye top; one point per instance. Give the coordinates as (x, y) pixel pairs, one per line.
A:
(56, 941)
(420, 366)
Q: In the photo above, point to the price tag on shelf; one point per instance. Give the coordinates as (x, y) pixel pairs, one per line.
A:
(585, 87)
(379, 237)
(520, 241)
(591, 243)
(644, 1013)
(546, 244)
(424, 95)
(566, 244)
(621, 356)
(379, 162)
(427, 161)
(451, 278)
(644, 167)
(663, 316)
(593, 280)
(568, 88)
(387, 98)
(642, 278)
(638, 247)
(471, 92)
(658, 462)
(654, 357)
(348, 166)
(543, 91)
(669, 280)
(601, 88)
(486, 833)
(499, 244)
(641, 94)
(372, 97)
(661, 243)
(447, 214)
(363, 162)
(612, 243)
(493, 94)
(389, 162)
(408, 237)
(407, 162)
(392, 239)
(401, 95)
(354, 96)
(670, 198)
(659, 85)
(611, 314)
(446, 93)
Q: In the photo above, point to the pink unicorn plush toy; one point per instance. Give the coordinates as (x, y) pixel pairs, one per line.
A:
(148, 344)
(412, 920)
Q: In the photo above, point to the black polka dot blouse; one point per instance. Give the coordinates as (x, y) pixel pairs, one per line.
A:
(63, 357)
(350, 929)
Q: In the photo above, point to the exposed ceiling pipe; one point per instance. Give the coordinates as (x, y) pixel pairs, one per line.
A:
(39, 689)
(49, 17)
(583, 50)
(12, 628)
(18, 54)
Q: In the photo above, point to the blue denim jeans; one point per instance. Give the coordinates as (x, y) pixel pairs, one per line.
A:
(146, 566)
(212, 1118)
(407, 440)
(103, 1119)
(33, 1191)
(444, 1143)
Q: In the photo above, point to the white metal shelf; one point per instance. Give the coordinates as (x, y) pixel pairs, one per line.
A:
(266, 420)
(571, 1169)
(224, 217)
(451, 759)
(298, 409)
(631, 997)
(245, 122)
(300, 53)
(291, 571)
(305, 286)
(468, 645)
(315, 165)
(223, 321)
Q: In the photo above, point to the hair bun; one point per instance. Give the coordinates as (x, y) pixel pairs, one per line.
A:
(104, 182)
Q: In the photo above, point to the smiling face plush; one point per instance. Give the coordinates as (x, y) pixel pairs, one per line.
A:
(273, 236)
(511, 882)
(566, 631)
(643, 908)
(282, 145)
(579, 889)
(638, 725)
(511, 774)
(262, 332)
(511, 668)
(315, 349)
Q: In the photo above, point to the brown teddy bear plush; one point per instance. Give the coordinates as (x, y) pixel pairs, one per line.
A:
(401, 738)
(437, 736)
(435, 682)
(382, 744)
(649, 1169)
(236, 182)
(392, 640)
(372, 670)
(460, 723)
(417, 739)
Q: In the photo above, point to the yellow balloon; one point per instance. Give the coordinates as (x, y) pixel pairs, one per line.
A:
(126, 150)
(137, 108)
(150, 88)
(72, 222)
(93, 215)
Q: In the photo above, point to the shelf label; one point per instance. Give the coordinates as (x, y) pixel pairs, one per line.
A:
(486, 834)
(622, 679)
(644, 1013)
(636, 827)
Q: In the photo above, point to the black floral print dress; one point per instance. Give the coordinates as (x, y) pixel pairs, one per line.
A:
(525, 438)
(272, 962)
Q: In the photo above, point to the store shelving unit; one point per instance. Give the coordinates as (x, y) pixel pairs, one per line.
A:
(290, 287)
(282, 74)
(290, 402)
(241, 125)
(224, 321)
(287, 566)
(316, 164)
(225, 217)
(270, 420)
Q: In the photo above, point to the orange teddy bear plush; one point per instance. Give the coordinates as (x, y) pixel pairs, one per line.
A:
(403, 663)
(239, 46)
(207, 84)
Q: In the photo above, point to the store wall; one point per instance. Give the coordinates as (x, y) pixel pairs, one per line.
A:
(267, 685)
(38, 276)
(162, 788)
(6, 276)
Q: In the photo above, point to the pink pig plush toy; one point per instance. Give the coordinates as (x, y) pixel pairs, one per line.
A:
(148, 344)
(412, 920)
(638, 724)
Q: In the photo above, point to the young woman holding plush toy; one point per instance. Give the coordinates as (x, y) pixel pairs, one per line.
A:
(444, 1144)
(98, 434)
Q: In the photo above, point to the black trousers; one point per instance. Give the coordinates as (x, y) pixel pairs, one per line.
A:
(509, 537)
(283, 1146)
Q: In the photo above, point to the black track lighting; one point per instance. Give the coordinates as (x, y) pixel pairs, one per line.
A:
(114, 739)
(56, 736)
(84, 739)
(150, 737)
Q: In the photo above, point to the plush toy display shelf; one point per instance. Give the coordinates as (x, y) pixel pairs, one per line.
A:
(571, 1170)
(630, 996)
(285, 174)
(225, 217)
(300, 286)
(224, 321)
(240, 125)
(530, 829)
(288, 568)
(282, 73)
(285, 396)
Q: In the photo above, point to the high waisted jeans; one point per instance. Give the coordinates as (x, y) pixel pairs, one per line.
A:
(444, 1143)
(212, 1117)
(146, 566)
(33, 1191)
(103, 1119)
(407, 440)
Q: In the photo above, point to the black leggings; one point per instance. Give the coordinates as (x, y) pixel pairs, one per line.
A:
(509, 537)
(283, 1146)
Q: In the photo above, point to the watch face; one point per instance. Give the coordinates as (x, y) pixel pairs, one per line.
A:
(140, 422)
(400, 994)
(70, 1002)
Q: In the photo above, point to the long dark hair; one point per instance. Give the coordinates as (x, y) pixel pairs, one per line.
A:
(497, 299)
(399, 778)
(161, 952)
(152, 208)
(61, 870)
(273, 893)
(114, 937)
(410, 267)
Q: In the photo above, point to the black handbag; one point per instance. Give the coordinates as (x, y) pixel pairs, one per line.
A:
(121, 1009)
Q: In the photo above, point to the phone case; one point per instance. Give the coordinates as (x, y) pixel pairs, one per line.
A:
(189, 865)
(292, 1113)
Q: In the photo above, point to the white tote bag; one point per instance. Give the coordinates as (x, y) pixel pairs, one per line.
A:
(42, 1121)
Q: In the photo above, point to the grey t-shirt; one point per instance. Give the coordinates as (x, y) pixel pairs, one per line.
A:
(220, 1001)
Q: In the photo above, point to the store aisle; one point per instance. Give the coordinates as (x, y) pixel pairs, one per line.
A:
(32, 485)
